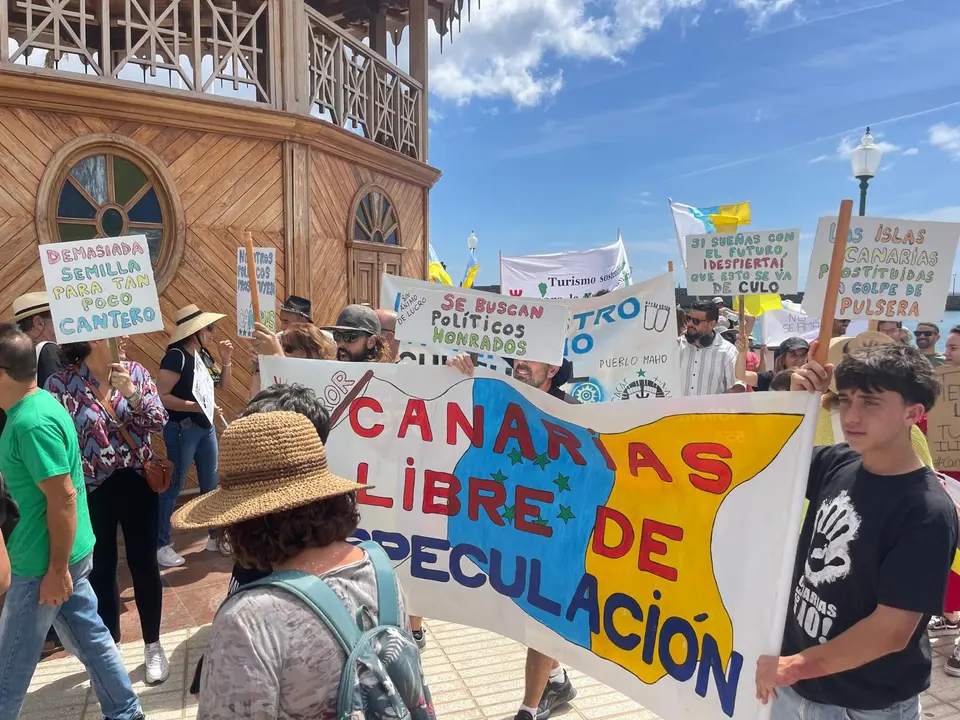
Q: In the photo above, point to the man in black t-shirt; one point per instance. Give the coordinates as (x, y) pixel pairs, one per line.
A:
(877, 543)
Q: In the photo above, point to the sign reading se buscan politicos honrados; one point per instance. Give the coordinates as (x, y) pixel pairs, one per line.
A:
(893, 269)
(760, 262)
(472, 321)
(101, 288)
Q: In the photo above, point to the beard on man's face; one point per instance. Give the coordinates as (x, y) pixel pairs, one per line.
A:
(532, 374)
(345, 354)
(692, 334)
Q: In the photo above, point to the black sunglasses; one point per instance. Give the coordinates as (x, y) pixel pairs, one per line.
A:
(923, 333)
(348, 336)
(695, 321)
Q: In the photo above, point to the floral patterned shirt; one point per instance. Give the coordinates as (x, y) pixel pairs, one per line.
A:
(102, 446)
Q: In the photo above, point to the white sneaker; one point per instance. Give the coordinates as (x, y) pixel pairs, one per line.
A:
(214, 545)
(168, 558)
(158, 669)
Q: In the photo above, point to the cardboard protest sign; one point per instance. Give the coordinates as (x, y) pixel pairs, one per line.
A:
(943, 421)
(203, 391)
(441, 316)
(265, 260)
(101, 288)
(631, 541)
(760, 262)
(893, 269)
(574, 274)
(419, 354)
(623, 345)
(778, 325)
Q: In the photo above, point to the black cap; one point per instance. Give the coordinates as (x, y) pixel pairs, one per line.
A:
(297, 305)
(563, 376)
(789, 345)
(357, 317)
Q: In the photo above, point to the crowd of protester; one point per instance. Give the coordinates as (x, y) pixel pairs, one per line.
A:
(78, 458)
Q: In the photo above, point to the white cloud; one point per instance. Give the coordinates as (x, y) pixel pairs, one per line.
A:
(947, 138)
(511, 48)
(849, 142)
(435, 115)
(944, 214)
(911, 151)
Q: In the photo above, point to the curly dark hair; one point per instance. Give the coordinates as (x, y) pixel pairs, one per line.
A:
(266, 542)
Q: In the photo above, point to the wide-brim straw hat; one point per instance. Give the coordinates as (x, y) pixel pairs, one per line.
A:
(29, 305)
(269, 462)
(841, 346)
(190, 320)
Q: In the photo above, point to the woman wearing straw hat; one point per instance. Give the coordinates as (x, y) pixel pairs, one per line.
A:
(270, 654)
(188, 374)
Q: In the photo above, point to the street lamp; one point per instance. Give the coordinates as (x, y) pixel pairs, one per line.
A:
(865, 160)
(472, 241)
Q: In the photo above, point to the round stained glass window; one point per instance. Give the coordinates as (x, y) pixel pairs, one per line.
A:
(375, 221)
(107, 195)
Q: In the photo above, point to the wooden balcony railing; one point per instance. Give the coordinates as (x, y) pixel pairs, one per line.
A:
(224, 50)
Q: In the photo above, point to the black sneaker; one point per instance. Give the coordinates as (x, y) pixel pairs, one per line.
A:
(952, 666)
(554, 695)
(523, 715)
(420, 636)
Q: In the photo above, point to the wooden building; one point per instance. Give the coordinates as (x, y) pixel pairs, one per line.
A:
(192, 121)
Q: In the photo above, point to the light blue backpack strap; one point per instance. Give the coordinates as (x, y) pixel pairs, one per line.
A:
(320, 598)
(388, 598)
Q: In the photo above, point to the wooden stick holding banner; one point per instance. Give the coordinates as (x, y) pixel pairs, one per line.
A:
(743, 317)
(833, 281)
(252, 275)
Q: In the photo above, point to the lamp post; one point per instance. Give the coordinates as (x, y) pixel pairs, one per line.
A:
(472, 241)
(865, 160)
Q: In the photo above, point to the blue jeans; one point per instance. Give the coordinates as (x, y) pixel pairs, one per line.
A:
(24, 625)
(790, 706)
(186, 445)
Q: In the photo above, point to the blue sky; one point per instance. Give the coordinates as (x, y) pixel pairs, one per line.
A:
(556, 122)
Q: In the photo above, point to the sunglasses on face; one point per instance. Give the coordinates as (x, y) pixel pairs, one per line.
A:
(923, 333)
(347, 336)
(695, 321)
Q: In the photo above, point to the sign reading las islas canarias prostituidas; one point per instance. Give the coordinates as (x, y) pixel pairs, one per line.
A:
(631, 541)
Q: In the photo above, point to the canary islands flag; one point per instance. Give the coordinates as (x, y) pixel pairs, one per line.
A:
(690, 220)
(471, 272)
(437, 272)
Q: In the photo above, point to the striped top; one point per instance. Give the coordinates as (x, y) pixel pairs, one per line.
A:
(707, 370)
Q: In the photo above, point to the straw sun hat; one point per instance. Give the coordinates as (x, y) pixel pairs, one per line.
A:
(29, 305)
(842, 346)
(269, 462)
(190, 320)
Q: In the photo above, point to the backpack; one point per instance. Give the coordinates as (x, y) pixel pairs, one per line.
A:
(382, 677)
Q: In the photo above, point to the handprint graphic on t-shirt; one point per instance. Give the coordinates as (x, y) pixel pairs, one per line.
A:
(835, 527)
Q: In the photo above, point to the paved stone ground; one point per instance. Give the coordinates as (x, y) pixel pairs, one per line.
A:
(473, 674)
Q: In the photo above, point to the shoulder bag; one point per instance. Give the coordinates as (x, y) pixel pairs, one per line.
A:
(158, 473)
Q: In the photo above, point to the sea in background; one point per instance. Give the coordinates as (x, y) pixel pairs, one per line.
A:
(951, 318)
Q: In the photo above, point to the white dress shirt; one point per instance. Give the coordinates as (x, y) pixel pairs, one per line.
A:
(707, 370)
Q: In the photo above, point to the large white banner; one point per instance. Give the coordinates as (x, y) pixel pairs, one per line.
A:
(892, 269)
(574, 274)
(632, 542)
(441, 316)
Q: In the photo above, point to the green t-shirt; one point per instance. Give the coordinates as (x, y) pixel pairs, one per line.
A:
(38, 442)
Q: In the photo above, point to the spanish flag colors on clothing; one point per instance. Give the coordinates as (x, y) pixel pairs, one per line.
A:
(437, 273)
(690, 220)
